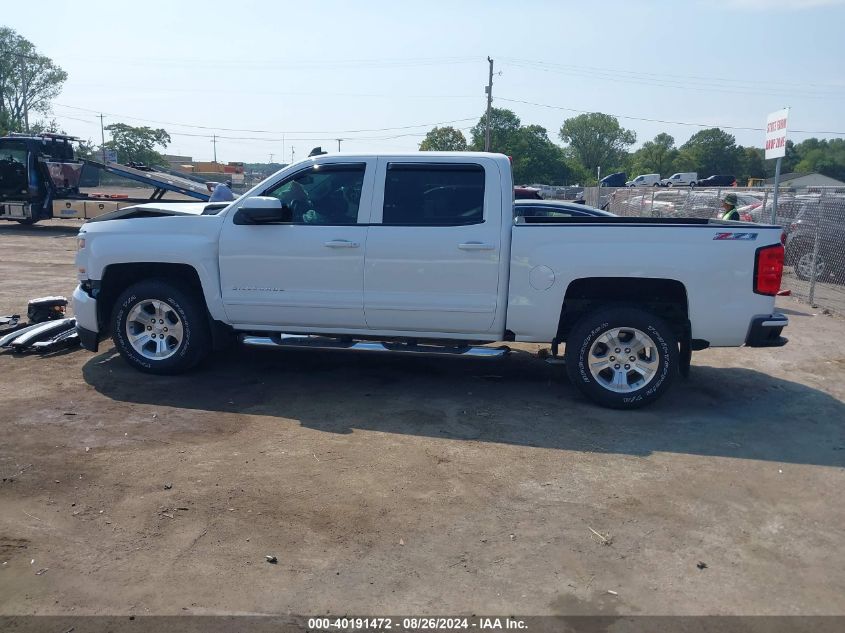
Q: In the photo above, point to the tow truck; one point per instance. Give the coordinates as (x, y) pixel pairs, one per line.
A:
(41, 174)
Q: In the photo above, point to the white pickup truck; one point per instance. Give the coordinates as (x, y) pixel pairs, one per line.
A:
(422, 254)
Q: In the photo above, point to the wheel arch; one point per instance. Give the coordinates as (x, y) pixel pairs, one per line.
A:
(118, 277)
(666, 298)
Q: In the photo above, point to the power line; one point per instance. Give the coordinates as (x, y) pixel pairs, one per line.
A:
(663, 75)
(667, 81)
(343, 64)
(664, 121)
(226, 129)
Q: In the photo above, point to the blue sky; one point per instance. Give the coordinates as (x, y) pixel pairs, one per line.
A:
(314, 71)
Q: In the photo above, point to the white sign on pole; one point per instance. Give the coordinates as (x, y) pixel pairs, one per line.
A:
(776, 133)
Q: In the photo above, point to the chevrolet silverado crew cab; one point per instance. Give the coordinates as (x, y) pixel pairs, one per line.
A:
(423, 254)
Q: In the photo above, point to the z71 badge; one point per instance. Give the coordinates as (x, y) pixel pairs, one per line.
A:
(735, 236)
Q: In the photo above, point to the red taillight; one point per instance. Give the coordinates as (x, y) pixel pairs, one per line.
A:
(768, 269)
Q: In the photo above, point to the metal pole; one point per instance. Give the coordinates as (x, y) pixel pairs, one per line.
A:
(103, 137)
(813, 274)
(214, 142)
(775, 195)
(338, 143)
(23, 90)
(489, 91)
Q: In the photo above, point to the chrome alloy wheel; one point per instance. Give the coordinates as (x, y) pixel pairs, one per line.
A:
(623, 360)
(154, 329)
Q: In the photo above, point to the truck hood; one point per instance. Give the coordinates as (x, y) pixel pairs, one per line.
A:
(163, 209)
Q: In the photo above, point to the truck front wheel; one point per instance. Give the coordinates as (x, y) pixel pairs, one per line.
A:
(622, 358)
(160, 328)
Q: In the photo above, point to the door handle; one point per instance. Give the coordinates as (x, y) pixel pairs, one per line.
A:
(340, 244)
(475, 246)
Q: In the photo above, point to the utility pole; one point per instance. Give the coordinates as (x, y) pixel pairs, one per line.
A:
(24, 87)
(103, 137)
(338, 143)
(214, 142)
(489, 91)
(292, 152)
(271, 158)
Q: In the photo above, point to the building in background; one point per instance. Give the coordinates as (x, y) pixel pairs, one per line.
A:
(802, 181)
(207, 170)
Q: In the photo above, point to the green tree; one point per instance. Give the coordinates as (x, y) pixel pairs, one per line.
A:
(708, 152)
(444, 139)
(824, 156)
(655, 157)
(536, 159)
(504, 125)
(137, 144)
(22, 67)
(597, 140)
(751, 165)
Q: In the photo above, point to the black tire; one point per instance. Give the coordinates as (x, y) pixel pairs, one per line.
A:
(587, 333)
(27, 221)
(188, 311)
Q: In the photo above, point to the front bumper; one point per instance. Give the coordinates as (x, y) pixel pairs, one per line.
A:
(765, 331)
(85, 311)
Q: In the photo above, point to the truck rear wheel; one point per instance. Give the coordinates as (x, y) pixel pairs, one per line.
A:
(160, 328)
(622, 358)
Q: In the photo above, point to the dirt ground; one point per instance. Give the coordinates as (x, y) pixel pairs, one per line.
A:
(388, 486)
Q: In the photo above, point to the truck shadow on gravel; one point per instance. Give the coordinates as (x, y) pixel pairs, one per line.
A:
(726, 412)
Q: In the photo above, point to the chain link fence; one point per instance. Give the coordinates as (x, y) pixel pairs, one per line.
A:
(813, 219)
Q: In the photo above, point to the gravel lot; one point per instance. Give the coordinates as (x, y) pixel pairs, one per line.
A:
(411, 485)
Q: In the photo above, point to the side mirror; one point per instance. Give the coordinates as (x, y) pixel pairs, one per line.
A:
(263, 210)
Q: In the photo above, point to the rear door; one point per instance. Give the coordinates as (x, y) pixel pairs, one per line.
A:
(433, 248)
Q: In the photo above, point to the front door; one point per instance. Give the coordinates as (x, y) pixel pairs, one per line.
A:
(432, 261)
(309, 273)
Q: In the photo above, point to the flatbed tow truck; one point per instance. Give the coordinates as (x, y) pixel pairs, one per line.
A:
(40, 178)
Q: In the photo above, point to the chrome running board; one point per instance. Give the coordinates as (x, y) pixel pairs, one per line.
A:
(298, 341)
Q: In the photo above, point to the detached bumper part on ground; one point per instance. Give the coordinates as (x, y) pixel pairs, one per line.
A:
(765, 331)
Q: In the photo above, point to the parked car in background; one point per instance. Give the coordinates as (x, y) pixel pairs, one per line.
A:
(717, 181)
(614, 180)
(681, 179)
(527, 193)
(555, 209)
(644, 180)
(822, 223)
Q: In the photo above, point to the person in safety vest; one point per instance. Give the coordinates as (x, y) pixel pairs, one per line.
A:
(729, 211)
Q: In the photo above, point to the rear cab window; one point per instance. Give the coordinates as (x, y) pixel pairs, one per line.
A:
(424, 194)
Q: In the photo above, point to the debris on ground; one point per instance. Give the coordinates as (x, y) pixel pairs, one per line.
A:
(168, 485)
(604, 539)
(271, 559)
(612, 593)
(47, 330)
(42, 571)
(701, 565)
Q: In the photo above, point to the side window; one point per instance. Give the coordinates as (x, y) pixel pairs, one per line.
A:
(433, 195)
(325, 195)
